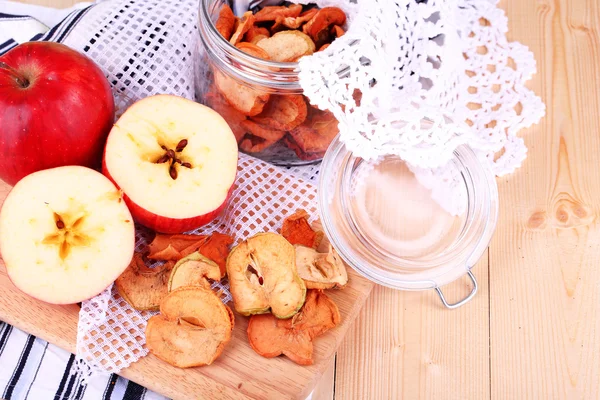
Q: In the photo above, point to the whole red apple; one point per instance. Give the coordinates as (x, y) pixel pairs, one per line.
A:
(56, 109)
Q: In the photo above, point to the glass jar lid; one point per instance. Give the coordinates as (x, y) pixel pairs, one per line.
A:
(405, 227)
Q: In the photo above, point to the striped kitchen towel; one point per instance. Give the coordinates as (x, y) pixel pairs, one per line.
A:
(31, 368)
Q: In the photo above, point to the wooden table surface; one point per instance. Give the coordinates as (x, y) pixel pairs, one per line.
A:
(533, 330)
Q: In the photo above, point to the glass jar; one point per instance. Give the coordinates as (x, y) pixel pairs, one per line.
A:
(237, 85)
(404, 227)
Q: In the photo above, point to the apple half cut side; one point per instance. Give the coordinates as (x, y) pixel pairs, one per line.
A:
(65, 234)
(175, 161)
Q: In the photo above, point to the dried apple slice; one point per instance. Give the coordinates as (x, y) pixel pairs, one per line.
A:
(263, 276)
(262, 131)
(226, 22)
(192, 329)
(247, 100)
(283, 112)
(258, 38)
(233, 117)
(287, 46)
(271, 337)
(255, 144)
(294, 23)
(253, 50)
(142, 287)
(318, 27)
(337, 31)
(297, 230)
(291, 143)
(271, 13)
(174, 247)
(245, 24)
(216, 248)
(317, 132)
(194, 270)
(321, 270)
(254, 32)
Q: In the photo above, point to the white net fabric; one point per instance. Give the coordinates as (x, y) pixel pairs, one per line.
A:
(445, 62)
(406, 60)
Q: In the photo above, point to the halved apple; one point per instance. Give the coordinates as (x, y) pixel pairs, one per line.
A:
(65, 234)
(175, 160)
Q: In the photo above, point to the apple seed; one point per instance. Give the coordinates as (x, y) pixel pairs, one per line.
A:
(181, 145)
(173, 172)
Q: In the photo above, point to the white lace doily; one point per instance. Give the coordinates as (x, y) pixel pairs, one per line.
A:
(444, 61)
(404, 57)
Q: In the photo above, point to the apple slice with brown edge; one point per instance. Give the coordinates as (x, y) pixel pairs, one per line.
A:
(293, 337)
(321, 270)
(194, 270)
(65, 234)
(175, 160)
(143, 287)
(263, 276)
(192, 329)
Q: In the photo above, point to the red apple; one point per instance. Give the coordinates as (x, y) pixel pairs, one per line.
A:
(56, 108)
(65, 234)
(175, 161)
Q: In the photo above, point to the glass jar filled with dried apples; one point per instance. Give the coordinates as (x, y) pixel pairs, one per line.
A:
(247, 70)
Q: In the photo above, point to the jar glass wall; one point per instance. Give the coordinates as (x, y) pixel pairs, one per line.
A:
(405, 227)
(261, 100)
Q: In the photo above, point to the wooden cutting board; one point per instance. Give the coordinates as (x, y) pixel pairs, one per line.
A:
(239, 373)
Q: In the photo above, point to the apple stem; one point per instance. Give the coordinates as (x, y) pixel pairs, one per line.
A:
(21, 81)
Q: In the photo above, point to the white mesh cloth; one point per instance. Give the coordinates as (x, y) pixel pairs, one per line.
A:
(405, 58)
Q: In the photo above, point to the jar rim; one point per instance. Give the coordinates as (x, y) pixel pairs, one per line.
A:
(368, 258)
(269, 74)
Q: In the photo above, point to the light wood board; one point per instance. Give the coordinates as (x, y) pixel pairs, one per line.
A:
(239, 373)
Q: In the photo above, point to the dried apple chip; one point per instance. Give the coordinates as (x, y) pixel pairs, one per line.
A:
(287, 46)
(255, 144)
(194, 270)
(258, 38)
(294, 23)
(321, 270)
(253, 50)
(192, 329)
(297, 230)
(216, 248)
(262, 276)
(283, 112)
(271, 13)
(247, 100)
(316, 133)
(234, 118)
(262, 131)
(246, 23)
(226, 22)
(289, 142)
(254, 32)
(142, 287)
(174, 247)
(271, 337)
(318, 27)
(337, 31)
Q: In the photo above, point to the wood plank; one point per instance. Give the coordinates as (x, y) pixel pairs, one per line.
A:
(238, 373)
(406, 345)
(545, 330)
